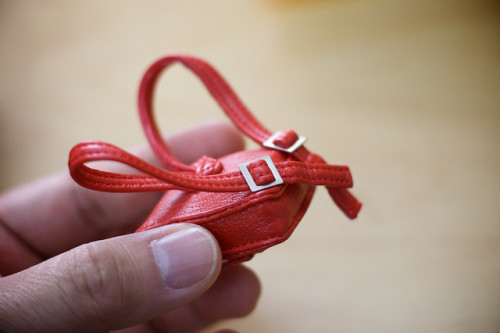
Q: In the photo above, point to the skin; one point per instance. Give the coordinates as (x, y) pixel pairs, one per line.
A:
(70, 262)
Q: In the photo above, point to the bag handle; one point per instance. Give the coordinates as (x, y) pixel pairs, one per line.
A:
(255, 175)
(216, 86)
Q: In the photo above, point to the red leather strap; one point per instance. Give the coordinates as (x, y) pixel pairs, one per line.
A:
(217, 87)
(310, 168)
(158, 179)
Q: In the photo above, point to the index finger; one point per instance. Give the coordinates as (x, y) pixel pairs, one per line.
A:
(54, 214)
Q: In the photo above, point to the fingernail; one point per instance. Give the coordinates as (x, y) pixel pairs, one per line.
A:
(185, 257)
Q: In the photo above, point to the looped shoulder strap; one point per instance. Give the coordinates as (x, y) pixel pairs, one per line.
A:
(309, 168)
(217, 87)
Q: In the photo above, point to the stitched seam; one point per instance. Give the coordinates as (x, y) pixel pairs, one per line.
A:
(254, 199)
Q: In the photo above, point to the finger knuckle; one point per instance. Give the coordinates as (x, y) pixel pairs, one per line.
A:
(95, 282)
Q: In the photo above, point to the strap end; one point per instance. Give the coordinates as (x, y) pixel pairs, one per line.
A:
(345, 201)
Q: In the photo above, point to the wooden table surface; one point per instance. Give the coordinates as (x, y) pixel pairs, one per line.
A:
(405, 92)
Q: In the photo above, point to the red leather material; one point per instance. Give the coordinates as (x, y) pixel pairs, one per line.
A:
(218, 193)
(261, 173)
(286, 139)
(243, 222)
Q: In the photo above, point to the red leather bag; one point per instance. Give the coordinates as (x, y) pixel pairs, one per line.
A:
(249, 200)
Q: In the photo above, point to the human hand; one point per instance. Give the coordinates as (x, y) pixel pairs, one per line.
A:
(156, 280)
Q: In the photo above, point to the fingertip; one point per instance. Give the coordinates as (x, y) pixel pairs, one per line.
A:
(226, 330)
(233, 295)
(230, 137)
(236, 291)
(211, 138)
(245, 288)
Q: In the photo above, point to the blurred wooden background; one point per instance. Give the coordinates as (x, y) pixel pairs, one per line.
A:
(405, 92)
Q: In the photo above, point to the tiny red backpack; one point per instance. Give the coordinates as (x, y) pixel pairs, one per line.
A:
(249, 200)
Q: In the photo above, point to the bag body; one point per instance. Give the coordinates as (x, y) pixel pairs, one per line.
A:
(249, 200)
(243, 223)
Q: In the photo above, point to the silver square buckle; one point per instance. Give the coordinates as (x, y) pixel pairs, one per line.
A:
(269, 143)
(248, 177)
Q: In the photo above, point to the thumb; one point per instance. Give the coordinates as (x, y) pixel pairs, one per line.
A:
(112, 283)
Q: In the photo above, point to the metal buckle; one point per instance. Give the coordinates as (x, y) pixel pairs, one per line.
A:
(270, 144)
(248, 177)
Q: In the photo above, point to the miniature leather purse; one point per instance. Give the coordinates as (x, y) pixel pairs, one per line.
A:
(249, 200)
